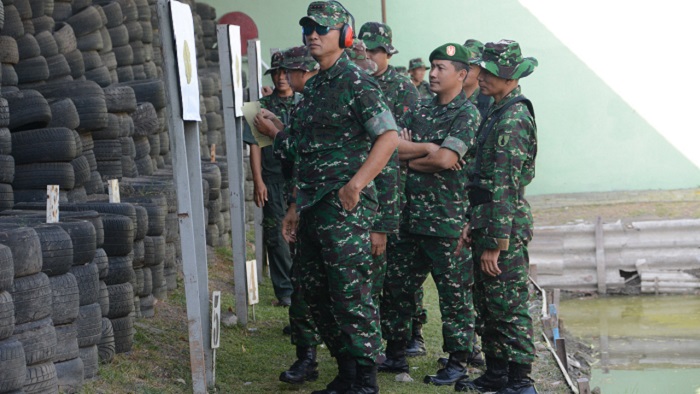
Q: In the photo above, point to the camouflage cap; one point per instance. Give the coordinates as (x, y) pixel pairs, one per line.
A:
(451, 51)
(275, 62)
(504, 59)
(402, 70)
(325, 13)
(376, 35)
(415, 63)
(476, 49)
(298, 58)
(358, 54)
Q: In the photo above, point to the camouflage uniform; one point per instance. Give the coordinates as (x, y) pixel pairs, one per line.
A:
(423, 87)
(500, 216)
(430, 227)
(331, 135)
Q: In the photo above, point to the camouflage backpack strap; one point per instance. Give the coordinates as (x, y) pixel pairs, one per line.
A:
(478, 195)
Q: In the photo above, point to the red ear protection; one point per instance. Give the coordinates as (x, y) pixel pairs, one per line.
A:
(346, 36)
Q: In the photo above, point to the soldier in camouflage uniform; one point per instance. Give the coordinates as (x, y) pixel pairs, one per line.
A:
(443, 132)
(401, 96)
(500, 222)
(471, 84)
(342, 137)
(416, 68)
(298, 66)
(269, 184)
(358, 54)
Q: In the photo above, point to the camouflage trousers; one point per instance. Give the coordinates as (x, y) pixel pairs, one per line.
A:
(335, 266)
(304, 331)
(420, 315)
(505, 325)
(278, 255)
(407, 269)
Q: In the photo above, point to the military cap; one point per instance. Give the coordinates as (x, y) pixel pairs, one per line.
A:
(504, 59)
(451, 51)
(376, 35)
(415, 63)
(402, 70)
(474, 45)
(275, 62)
(325, 13)
(358, 54)
(298, 58)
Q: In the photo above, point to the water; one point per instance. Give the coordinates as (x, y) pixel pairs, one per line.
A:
(645, 344)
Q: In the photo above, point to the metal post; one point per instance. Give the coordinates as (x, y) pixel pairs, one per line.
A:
(384, 11)
(600, 257)
(184, 142)
(254, 89)
(233, 128)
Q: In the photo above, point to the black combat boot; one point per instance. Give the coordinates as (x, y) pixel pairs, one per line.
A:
(416, 346)
(395, 358)
(304, 369)
(365, 380)
(345, 378)
(494, 379)
(475, 359)
(519, 381)
(455, 370)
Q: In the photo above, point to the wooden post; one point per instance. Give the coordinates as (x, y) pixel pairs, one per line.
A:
(583, 387)
(254, 72)
(600, 257)
(113, 188)
(547, 327)
(187, 174)
(384, 12)
(533, 272)
(233, 126)
(52, 198)
(561, 352)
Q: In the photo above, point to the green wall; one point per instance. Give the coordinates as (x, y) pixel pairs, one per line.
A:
(589, 138)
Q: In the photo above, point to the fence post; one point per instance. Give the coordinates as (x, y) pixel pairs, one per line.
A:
(600, 257)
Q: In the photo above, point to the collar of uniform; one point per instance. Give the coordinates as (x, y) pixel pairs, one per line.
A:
(514, 93)
(388, 75)
(334, 70)
(456, 102)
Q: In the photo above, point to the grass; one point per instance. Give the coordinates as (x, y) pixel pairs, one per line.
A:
(251, 359)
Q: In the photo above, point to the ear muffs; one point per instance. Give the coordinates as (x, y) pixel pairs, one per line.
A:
(346, 36)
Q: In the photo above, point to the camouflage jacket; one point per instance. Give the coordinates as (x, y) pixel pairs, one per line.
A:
(332, 131)
(436, 203)
(424, 91)
(507, 166)
(272, 167)
(401, 96)
(482, 102)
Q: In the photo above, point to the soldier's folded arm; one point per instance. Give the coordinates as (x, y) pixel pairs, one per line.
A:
(409, 150)
(450, 152)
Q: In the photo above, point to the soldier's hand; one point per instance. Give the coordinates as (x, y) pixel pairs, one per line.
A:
(431, 147)
(378, 241)
(348, 197)
(406, 135)
(259, 193)
(266, 91)
(489, 262)
(264, 125)
(458, 165)
(290, 223)
(465, 239)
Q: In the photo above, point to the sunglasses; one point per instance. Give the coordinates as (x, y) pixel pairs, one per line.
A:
(320, 30)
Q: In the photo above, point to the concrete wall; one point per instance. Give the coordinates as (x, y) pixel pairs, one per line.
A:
(590, 139)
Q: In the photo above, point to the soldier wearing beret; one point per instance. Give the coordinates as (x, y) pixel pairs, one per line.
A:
(443, 131)
(417, 69)
(500, 222)
(341, 137)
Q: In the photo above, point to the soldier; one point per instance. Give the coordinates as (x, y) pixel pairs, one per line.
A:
(401, 96)
(416, 68)
(268, 184)
(358, 54)
(403, 71)
(471, 84)
(500, 222)
(342, 137)
(443, 132)
(298, 66)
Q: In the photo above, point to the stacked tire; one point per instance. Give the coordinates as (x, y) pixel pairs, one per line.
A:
(207, 15)
(12, 358)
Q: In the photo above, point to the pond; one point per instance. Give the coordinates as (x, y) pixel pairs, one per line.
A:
(645, 344)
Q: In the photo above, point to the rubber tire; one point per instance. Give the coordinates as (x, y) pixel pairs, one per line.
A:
(123, 333)
(64, 35)
(121, 300)
(38, 339)
(9, 52)
(32, 297)
(47, 44)
(28, 47)
(28, 109)
(25, 246)
(65, 298)
(85, 22)
(113, 12)
(7, 315)
(84, 237)
(70, 375)
(150, 90)
(64, 114)
(89, 325)
(121, 270)
(103, 298)
(7, 169)
(44, 145)
(88, 280)
(14, 368)
(66, 342)
(41, 378)
(105, 348)
(102, 262)
(119, 235)
(90, 358)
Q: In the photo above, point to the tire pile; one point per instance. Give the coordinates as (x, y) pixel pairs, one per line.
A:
(82, 102)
